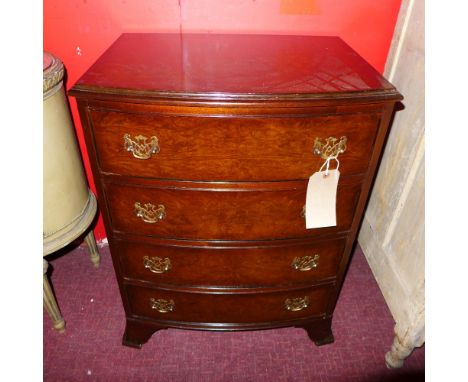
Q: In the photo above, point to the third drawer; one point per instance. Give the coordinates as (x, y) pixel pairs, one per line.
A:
(262, 264)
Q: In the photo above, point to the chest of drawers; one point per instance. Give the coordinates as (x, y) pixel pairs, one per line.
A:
(201, 148)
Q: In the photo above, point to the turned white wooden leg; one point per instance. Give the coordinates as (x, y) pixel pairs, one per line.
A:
(397, 355)
(93, 249)
(406, 339)
(50, 304)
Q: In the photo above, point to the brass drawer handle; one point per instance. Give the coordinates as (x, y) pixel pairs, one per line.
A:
(149, 213)
(331, 148)
(156, 264)
(162, 306)
(305, 263)
(139, 147)
(296, 304)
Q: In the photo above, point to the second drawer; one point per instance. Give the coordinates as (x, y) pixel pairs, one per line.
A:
(261, 265)
(256, 212)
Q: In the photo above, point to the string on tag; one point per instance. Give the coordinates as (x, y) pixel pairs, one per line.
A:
(327, 164)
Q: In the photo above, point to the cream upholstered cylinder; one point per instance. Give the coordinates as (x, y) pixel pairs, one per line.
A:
(68, 205)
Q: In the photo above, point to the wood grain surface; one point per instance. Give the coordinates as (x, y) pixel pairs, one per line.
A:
(230, 148)
(256, 265)
(225, 214)
(236, 118)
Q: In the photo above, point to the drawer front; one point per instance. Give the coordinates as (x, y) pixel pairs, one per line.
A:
(214, 214)
(227, 308)
(227, 148)
(242, 267)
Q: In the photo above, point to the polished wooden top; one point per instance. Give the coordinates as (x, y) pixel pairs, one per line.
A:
(214, 66)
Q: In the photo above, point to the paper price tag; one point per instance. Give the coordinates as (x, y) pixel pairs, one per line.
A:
(320, 208)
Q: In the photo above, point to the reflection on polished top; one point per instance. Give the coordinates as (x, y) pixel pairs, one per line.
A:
(227, 66)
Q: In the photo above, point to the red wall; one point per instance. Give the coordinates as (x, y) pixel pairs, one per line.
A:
(78, 31)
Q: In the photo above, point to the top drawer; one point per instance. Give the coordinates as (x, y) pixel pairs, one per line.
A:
(211, 148)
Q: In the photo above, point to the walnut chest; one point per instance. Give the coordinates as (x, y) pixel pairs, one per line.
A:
(201, 148)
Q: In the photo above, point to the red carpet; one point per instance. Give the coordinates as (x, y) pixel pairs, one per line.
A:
(91, 350)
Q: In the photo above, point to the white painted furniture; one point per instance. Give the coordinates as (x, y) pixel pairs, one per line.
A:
(69, 206)
(392, 233)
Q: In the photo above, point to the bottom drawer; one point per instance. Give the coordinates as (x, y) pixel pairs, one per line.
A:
(227, 308)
